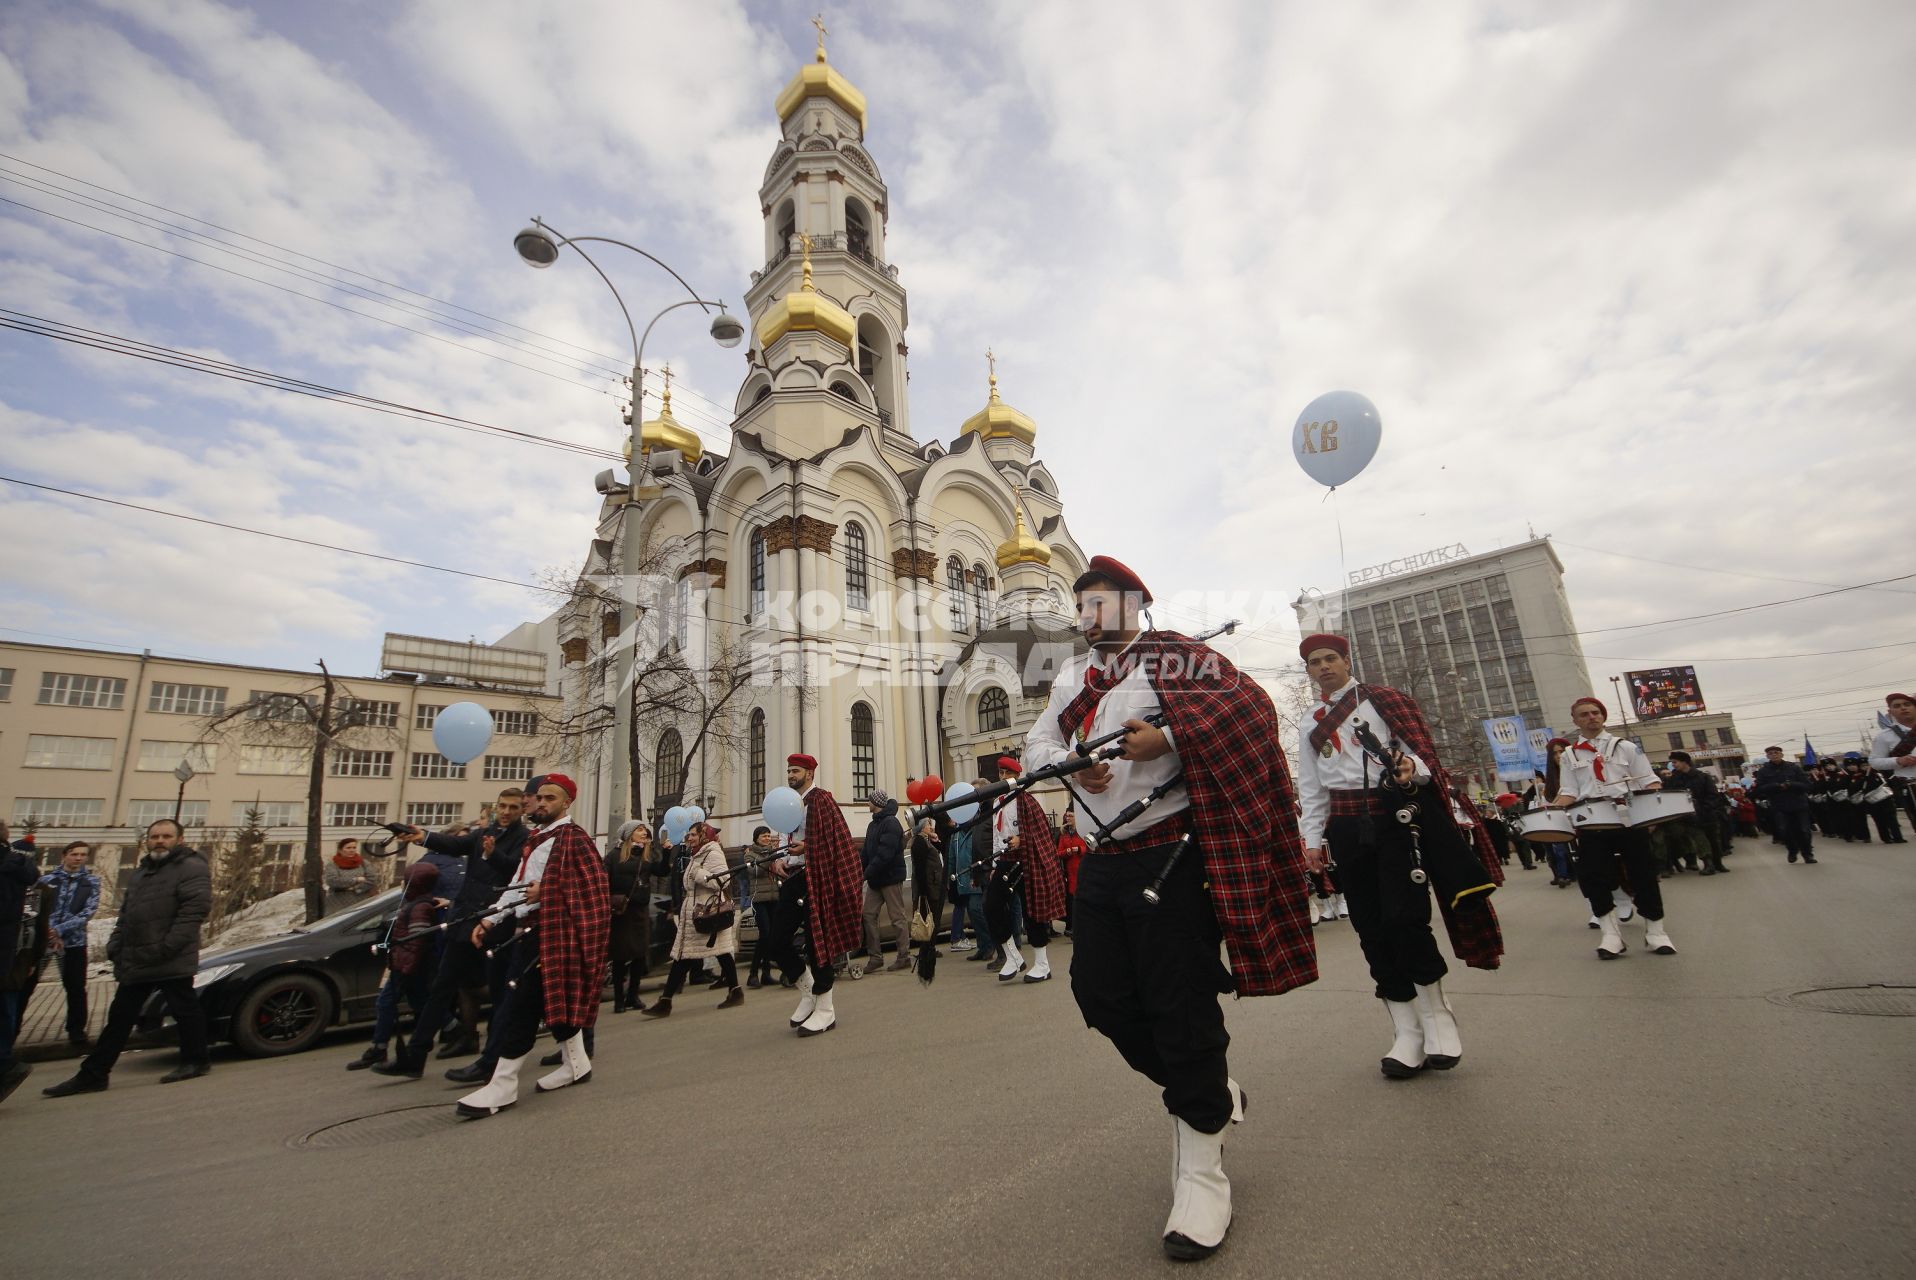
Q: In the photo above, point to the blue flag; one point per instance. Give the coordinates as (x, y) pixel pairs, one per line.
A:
(1809, 752)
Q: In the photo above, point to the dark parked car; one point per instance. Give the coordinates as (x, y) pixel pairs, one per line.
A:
(281, 995)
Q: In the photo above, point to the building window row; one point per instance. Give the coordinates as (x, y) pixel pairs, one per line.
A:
(6, 684)
(60, 689)
(430, 764)
(270, 813)
(57, 811)
(347, 763)
(424, 714)
(433, 813)
(186, 699)
(507, 768)
(157, 756)
(143, 813)
(273, 758)
(50, 751)
(371, 713)
(350, 813)
(516, 724)
(864, 751)
(273, 704)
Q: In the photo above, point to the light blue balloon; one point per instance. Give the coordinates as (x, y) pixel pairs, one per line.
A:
(698, 814)
(784, 810)
(1336, 437)
(462, 731)
(676, 822)
(964, 813)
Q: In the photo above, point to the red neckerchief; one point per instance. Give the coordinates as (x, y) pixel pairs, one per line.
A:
(1075, 720)
(539, 837)
(1330, 718)
(1596, 756)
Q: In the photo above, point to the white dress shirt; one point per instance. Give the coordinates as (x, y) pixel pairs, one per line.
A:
(1132, 698)
(1004, 825)
(1880, 757)
(532, 866)
(1343, 770)
(1625, 768)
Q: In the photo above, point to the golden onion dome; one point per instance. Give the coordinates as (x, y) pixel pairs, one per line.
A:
(1021, 547)
(998, 420)
(818, 79)
(667, 432)
(806, 309)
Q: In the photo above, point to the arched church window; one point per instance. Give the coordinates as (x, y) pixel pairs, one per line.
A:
(955, 591)
(858, 230)
(787, 227)
(764, 393)
(994, 711)
(845, 389)
(857, 572)
(758, 572)
(667, 765)
(755, 785)
(980, 596)
(864, 751)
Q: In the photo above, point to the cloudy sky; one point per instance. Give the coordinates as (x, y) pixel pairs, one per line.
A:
(1639, 276)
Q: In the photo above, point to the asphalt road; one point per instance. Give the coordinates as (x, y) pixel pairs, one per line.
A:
(1654, 1116)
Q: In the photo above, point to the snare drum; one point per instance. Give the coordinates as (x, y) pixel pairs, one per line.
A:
(1878, 794)
(1654, 808)
(1546, 826)
(1602, 814)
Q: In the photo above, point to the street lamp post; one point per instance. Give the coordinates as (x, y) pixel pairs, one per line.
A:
(538, 246)
(184, 773)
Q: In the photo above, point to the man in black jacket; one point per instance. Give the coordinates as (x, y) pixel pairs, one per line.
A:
(155, 947)
(1705, 826)
(884, 859)
(1784, 784)
(492, 858)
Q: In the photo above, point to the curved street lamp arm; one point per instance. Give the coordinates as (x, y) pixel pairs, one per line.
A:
(629, 326)
(646, 336)
(576, 241)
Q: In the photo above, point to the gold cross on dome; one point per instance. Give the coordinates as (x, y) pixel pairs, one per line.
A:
(818, 20)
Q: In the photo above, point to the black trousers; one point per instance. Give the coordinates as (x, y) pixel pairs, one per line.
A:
(763, 961)
(130, 997)
(788, 921)
(463, 965)
(1391, 912)
(1792, 828)
(683, 969)
(1883, 813)
(525, 1009)
(73, 978)
(1148, 977)
(1598, 855)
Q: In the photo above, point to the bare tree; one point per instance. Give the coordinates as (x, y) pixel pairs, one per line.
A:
(690, 676)
(319, 721)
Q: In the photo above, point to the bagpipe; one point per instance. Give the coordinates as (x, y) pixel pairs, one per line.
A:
(1453, 868)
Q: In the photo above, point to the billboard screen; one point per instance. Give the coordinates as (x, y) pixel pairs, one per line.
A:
(1666, 691)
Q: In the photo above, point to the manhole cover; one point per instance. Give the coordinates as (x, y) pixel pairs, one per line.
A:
(382, 1127)
(1877, 1000)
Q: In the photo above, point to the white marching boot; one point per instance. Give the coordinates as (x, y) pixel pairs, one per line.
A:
(1406, 1057)
(1316, 913)
(1443, 1043)
(1611, 944)
(1041, 969)
(496, 1094)
(824, 1016)
(1625, 906)
(1240, 1103)
(1343, 908)
(1200, 1195)
(574, 1066)
(1014, 961)
(1655, 938)
(806, 1000)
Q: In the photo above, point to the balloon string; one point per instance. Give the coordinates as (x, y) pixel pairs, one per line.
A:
(1343, 565)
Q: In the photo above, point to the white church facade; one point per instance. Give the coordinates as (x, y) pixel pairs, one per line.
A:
(900, 601)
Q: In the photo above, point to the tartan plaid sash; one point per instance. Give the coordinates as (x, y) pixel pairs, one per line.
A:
(1326, 729)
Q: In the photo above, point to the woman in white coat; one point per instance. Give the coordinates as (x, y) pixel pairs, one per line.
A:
(708, 888)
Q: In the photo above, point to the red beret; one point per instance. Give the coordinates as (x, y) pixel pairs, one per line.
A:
(1593, 702)
(1324, 640)
(1558, 742)
(1010, 765)
(803, 761)
(1898, 697)
(1114, 572)
(564, 784)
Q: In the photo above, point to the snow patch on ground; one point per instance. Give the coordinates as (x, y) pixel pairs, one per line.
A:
(271, 918)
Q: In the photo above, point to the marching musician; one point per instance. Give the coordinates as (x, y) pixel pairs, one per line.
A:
(1894, 752)
(567, 911)
(1350, 817)
(1218, 853)
(826, 900)
(1020, 834)
(1788, 790)
(1601, 766)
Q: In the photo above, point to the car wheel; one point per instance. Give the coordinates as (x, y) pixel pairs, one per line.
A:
(283, 1015)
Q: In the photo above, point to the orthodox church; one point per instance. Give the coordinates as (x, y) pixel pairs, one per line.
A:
(903, 599)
